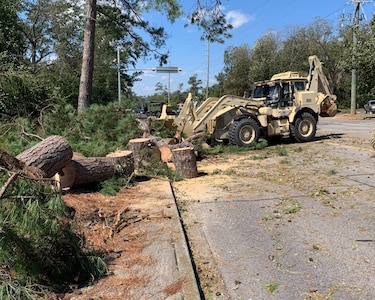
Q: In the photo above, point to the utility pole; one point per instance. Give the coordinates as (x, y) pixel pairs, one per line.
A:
(355, 20)
(118, 75)
(353, 101)
(208, 67)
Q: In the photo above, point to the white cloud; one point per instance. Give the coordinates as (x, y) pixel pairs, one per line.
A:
(149, 73)
(237, 18)
(145, 90)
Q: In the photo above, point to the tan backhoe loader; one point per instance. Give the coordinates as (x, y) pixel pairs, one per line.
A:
(286, 105)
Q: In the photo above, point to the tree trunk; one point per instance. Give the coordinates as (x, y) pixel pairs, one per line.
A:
(50, 155)
(124, 162)
(138, 146)
(185, 162)
(98, 169)
(93, 170)
(82, 171)
(85, 85)
(165, 153)
(66, 177)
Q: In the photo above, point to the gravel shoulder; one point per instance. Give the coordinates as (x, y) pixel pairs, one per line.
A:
(291, 221)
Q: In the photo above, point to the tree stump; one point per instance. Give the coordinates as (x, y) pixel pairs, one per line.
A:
(50, 155)
(185, 162)
(138, 146)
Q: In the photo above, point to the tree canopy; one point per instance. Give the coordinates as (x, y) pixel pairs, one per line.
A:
(41, 51)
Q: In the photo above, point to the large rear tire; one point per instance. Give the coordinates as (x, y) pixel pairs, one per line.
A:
(244, 132)
(304, 128)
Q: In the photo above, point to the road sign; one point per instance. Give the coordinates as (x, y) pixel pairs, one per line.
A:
(168, 69)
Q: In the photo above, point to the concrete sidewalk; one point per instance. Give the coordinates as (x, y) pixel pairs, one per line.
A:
(172, 268)
(148, 257)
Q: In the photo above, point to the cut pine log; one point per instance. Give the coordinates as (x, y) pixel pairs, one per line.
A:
(93, 170)
(123, 161)
(66, 177)
(87, 170)
(50, 155)
(165, 153)
(138, 147)
(185, 162)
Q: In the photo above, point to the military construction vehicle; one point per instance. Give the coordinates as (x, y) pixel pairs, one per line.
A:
(286, 105)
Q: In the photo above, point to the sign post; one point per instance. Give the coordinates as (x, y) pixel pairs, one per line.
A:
(168, 70)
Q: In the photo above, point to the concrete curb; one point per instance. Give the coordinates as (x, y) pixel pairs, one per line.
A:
(185, 267)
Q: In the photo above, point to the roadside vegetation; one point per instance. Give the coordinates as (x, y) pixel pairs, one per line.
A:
(38, 248)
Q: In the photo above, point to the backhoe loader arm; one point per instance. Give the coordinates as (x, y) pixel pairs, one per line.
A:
(316, 78)
(318, 83)
(183, 123)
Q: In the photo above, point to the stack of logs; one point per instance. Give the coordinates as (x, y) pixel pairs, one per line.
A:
(53, 157)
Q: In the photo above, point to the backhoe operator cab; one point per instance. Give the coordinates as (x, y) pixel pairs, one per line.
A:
(278, 93)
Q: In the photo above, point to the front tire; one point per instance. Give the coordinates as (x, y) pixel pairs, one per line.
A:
(304, 128)
(244, 132)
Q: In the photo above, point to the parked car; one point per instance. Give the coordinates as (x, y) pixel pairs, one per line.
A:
(369, 107)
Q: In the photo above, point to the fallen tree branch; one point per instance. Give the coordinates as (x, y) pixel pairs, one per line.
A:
(129, 179)
(11, 163)
(7, 184)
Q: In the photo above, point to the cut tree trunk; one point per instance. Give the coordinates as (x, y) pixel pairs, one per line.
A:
(93, 170)
(138, 146)
(66, 177)
(124, 162)
(165, 153)
(185, 162)
(50, 155)
(12, 164)
(97, 169)
(167, 157)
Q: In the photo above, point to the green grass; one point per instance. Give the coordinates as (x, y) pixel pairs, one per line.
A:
(289, 206)
(281, 151)
(258, 157)
(271, 287)
(332, 172)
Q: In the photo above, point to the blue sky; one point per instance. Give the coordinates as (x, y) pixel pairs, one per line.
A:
(251, 19)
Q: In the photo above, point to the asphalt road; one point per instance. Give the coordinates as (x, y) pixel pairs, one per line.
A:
(361, 128)
(295, 227)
